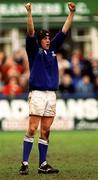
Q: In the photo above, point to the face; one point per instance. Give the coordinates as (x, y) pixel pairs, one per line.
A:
(45, 42)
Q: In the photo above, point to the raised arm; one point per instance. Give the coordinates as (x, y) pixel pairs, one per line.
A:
(69, 19)
(30, 23)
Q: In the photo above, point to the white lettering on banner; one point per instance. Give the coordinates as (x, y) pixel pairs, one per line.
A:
(13, 124)
(5, 110)
(82, 8)
(87, 125)
(83, 108)
(17, 9)
(91, 109)
(14, 114)
(19, 109)
(11, 9)
(63, 119)
(47, 8)
(76, 108)
(61, 109)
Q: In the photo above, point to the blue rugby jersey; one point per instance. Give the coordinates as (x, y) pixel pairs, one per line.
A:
(43, 63)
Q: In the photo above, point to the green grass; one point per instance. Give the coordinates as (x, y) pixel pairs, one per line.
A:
(75, 153)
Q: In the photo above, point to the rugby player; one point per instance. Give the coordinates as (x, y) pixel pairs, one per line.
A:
(43, 83)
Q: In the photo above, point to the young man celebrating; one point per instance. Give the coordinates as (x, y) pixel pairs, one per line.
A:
(43, 83)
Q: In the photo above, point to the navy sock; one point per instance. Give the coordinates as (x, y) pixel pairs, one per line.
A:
(27, 146)
(43, 147)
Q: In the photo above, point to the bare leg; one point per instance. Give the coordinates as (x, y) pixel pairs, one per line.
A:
(46, 123)
(33, 125)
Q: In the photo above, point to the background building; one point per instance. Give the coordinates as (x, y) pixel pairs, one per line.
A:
(51, 14)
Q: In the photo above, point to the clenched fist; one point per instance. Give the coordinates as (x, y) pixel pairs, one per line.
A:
(71, 6)
(28, 7)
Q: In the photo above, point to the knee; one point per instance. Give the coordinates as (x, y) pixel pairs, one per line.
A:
(45, 134)
(31, 131)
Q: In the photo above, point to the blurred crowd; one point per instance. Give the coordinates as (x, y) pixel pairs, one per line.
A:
(14, 73)
(77, 75)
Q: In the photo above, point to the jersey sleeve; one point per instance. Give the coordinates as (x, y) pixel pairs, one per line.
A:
(31, 46)
(58, 40)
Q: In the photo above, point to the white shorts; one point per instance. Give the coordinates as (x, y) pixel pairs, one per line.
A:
(42, 103)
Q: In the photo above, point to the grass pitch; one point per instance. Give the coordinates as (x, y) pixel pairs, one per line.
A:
(74, 153)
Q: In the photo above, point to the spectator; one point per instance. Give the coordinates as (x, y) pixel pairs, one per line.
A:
(66, 85)
(85, 85)
(8, 68)
(96, 85)
(16, 66)
(20, 60)
(76, 57)
(2, 58)
(95, 67)
(1, 83)
(76, 74)
(2, 63)
(12, 88)
(85, 65)
(63, 64)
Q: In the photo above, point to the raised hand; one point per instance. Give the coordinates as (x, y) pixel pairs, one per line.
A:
(71, 6)
(28, 7)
